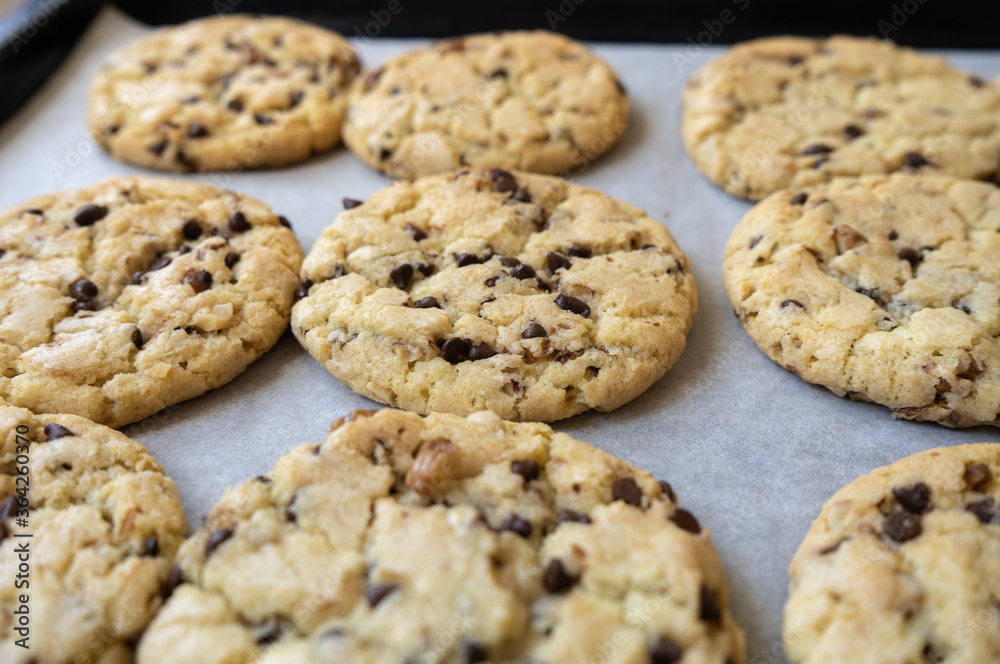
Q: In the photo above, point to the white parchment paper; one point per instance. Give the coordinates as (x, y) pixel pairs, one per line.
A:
(752, 450)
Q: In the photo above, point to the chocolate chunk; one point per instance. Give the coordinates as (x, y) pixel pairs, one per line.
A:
(507, 261)
(232, 258)
(137, 338)
(853, 131)
(664, 651)
(217, 539)
(427, 303)
(558, 261)
(151, 548)
(159, 263)
(401, 275)
(197, 130)
(503, 181)
(710, 611)
(568, 355)
(199, 280)
(526, 468)
(284, 221)
(572, 516)
(797, 199)
(523, 272)
(580, 250)
(463, 259)
(668, 490)
(89, 215)
(534, 331)
(350, 203)
(909, 255)
(191, 230)
(455, 350)
(474, 652)
(556, 578)
(977, 475)
(985, 510)
(792, 303)
(903, 526)
(303, 289)
(54, 431)
(159, 147)
(238, 222)
(262, 119)
(817, 148)
(375, 594)
(516, 523)
(235, 105)
(626, 490)
(915, 160)
(915, 499)
(480, 352)
(573, 305)
(83, 289)
(417, 234)
(686, 521)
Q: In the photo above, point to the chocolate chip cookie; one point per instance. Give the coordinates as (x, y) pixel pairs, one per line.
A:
(535, 101)
(223, 93)
(132, 294)
(89, 527)
(903, 565)
(881, 288)
(491, 290)
(789, 111)
(446, 540)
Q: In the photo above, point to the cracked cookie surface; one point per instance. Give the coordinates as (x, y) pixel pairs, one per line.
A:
(133, 294)
(789, 111)
(903, 565)
(448, 540)
(223, 93)
(534, 101)
(882, 288)
(489, 290)
(105, 525)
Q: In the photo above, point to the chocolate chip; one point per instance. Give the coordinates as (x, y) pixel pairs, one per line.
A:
(159, 263)
(425, 269)
(573, 305)
(710, 611)
(137, 338)
(558, 261)
(455, 350)
(427, 303)
(238, 222)
(819, 162)
(523, 272)
(480, 352)
(668, 490)
(893, 235)
(915, 499)
(384, 154)
(83, 289)
(664, 651)
(795, 60)
(976, 82)
(915, 160)
(572, 516)
(54, 431)
(158, 147)
(526, 468)
(235, 105)
(375, 594)
(372, 78)
(401, 275)
(295, 98)
(137, 278)
(151, 548)
(474, 652)
(516, 523)
(83, 305)
(826, 551)
(303, 289)
(350, 203)
(463, 259)
(522, 195)
(499, 72)
(263, 119)
(197, 130)
(686, 521)
(556, 578)
(199, 280)
(977, 475)
(797, 199)
(626, 490)
(508, 261)
(175, 579)
(491, 282)
(503, 181)
(909, 255)
(534, 331)
(184, 249)
(417, 234)
(817, 148)
(88, 215)
(985, 510)
(232, 258)
(792, 303)
(903, 526)
(568, 355)
(853, 131)
(284, 221)
(580, 250)
(755, 241)
(217, 539)
(191, 230)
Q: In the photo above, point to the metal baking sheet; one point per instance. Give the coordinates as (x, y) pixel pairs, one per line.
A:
(750, 449)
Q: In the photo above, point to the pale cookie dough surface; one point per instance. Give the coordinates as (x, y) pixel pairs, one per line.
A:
(223, 93)
(903, 565)
(788, 111)
(884, 289)
(488, 290)
(124, 297)
(445, 540)
(535, 101)
(105, 525)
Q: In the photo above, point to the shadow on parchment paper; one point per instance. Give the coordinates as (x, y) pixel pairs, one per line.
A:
(622, 153)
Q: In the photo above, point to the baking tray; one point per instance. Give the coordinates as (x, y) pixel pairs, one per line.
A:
(750, 449)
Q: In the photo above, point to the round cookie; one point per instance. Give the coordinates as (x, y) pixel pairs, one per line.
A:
(534, 101)
(223, 93)
(132, 294)
(788, 111)
(94, 555)
(446, 540)
(903, 565)
(881, 288)
(489, 290)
